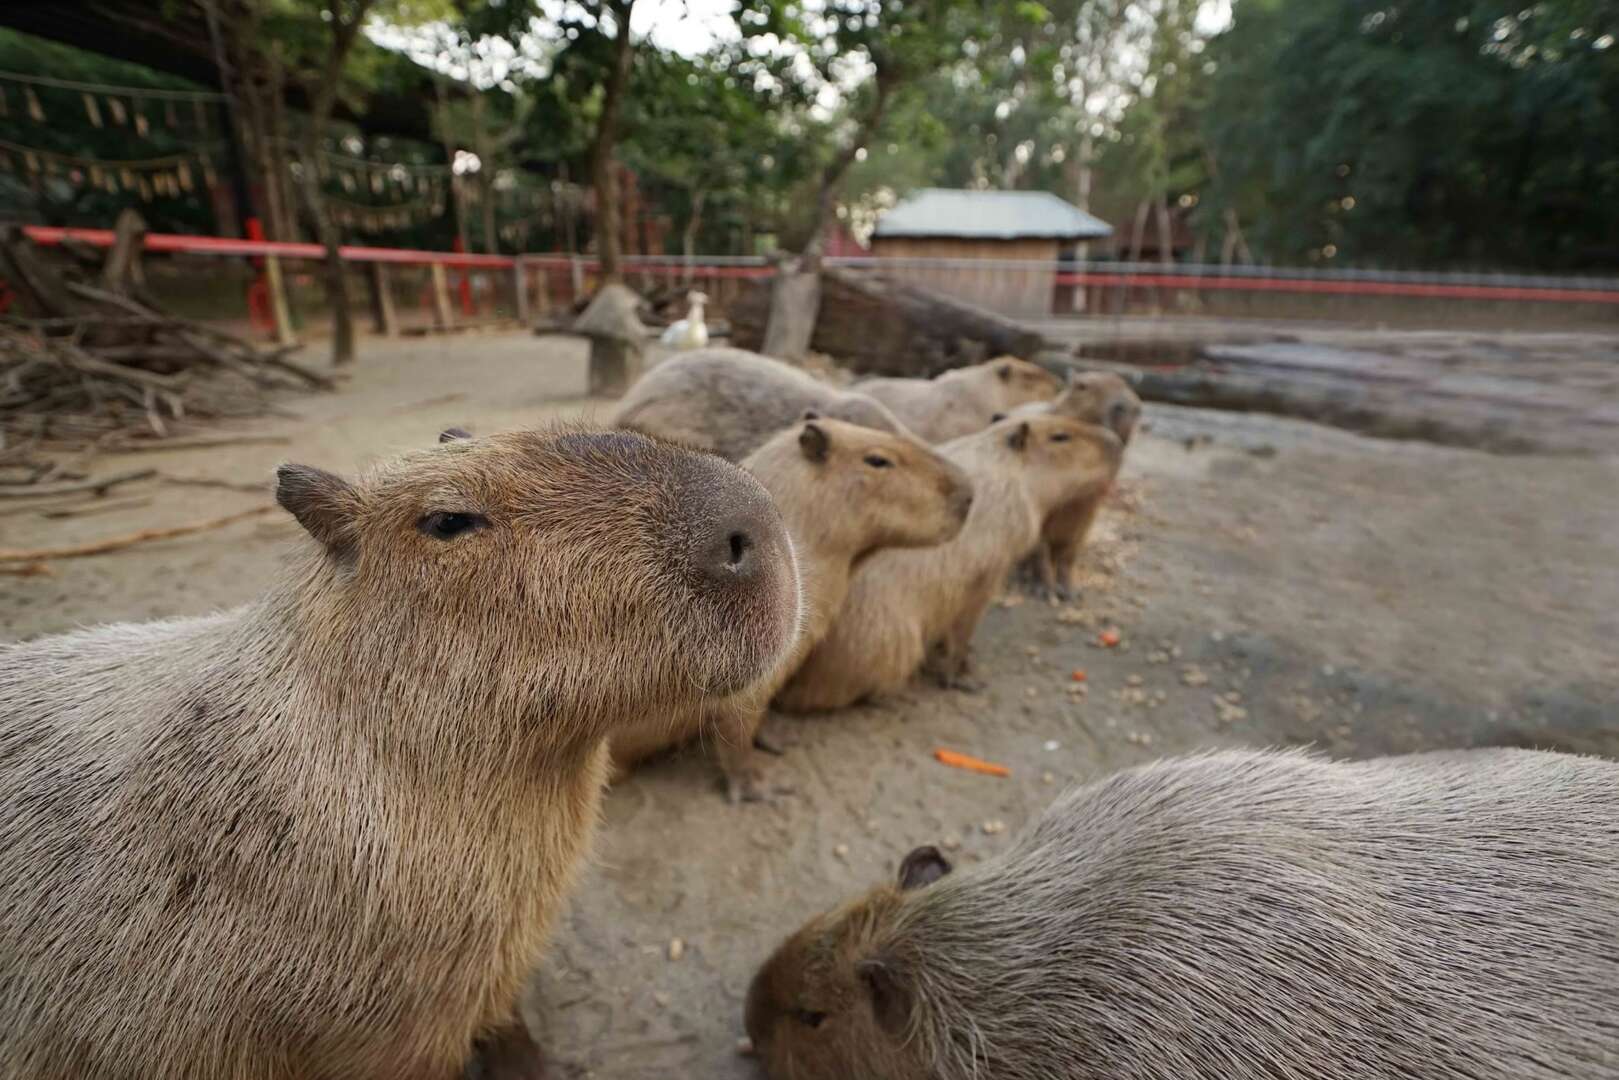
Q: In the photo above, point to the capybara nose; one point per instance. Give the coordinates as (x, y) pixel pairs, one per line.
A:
(727, 550)
(738, 541)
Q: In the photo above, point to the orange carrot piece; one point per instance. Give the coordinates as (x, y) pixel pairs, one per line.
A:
(1079, 675)
(1108, 638)
(971, 764)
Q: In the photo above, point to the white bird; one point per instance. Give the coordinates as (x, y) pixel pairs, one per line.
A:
(690, 332)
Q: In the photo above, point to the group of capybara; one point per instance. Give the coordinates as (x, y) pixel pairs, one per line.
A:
(325, 835)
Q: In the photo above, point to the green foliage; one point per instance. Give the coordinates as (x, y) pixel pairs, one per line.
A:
(1482, 132)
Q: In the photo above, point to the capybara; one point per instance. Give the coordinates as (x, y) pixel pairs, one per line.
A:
(907, 607)
(1096, 397)
(729, 401)
(845, 492)
(324, 834)
(1237, 916)
(963, 400)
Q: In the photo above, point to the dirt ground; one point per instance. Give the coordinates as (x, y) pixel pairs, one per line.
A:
(1272, 583)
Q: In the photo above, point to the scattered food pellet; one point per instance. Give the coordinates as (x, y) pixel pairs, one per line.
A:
(1192, 675)
(1328, 670)
(1052, 744)
(1108, 638)
(1134, 680)
(951, 841)
(1233, 696)
(841, 851)
(1029, 691)
(1217, 636)
(1032, 650)
(744, 1046)
(1048, 778)
(661, 998)
(1079, 675)
(677, 948)
(994, 826)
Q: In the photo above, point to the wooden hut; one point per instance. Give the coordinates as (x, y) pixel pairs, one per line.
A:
(1036, 228)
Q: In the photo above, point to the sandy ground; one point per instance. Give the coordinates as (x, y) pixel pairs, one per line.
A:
(1272, 583)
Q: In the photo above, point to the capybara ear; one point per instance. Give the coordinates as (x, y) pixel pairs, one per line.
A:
(454, 434)
(324, 504)
(1005, 372)
(813, 441)
(1019, 438)
(890, 998)
(810, 414)
(923, 866)
(996, 418)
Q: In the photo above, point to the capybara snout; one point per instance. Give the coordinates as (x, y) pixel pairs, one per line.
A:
(738, 561)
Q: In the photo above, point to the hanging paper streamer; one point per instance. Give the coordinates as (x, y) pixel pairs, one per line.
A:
(34, 108)
(140, 122)
(91, 110)
(116, 108)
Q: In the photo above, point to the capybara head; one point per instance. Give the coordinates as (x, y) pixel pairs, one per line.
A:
(574, 572)
(1062, 458)
(1100, 397)
(1019, 381)
(902, 492)
(853, 407)
(833, 1002)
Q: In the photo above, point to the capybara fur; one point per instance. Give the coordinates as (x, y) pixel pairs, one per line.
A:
(845, 493)
(907, 607)
(1237, 916)
(729, 401)
(324, 835)
(963, 400)
(1096, 397)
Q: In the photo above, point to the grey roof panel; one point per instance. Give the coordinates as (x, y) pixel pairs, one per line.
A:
(989, 215)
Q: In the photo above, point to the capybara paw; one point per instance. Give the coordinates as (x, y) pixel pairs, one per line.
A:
(964, 683)
(773, 742)
(754, 786)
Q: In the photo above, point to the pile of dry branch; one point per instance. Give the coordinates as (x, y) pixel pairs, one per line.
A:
(87, 358)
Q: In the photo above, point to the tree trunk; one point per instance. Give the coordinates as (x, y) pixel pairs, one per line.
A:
(337, 288)
(880, 326)
(795, 298)
(603, 163)
(688, 238)
(1166, 232)
(458, 211)
(1139, 235)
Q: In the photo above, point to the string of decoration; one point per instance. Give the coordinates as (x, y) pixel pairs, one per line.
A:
(105, 89)
(169, 176)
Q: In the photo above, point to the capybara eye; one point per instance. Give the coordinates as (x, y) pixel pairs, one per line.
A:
(449, 526)
(808, 1017)
(877, 461)
(1061, 436)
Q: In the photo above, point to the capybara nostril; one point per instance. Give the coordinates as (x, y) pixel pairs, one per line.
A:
(726, 549)
(739, 549)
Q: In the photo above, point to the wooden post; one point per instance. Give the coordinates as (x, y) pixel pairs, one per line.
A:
(614, 365)
(520, 290)
(576, 278)
(278, 300)
(443, 317)
(382, 300)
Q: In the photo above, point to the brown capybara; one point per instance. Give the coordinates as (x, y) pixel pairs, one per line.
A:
(729, 401)
(1237, 916)
(845, 493)
(1096, 397)
(907, 607)
(325, 834)
(963, 400)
